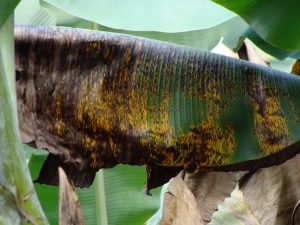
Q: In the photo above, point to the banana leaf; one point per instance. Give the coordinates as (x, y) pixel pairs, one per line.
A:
(29, 12)
(273, 20)
(205, 37)
(95, 99)
(268, 48)
(167, 16)
(6, 9)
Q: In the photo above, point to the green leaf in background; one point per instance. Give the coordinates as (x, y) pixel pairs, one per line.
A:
(205, 39)
(29, 12)
(48, 195)
(156, 218)
(205, 36)
(6, 9)
(262, 44)
(276, 21)
(116, 196)
(144, 15)
(18, 200)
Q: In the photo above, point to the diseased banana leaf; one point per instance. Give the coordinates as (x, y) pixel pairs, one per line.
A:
(95, 99)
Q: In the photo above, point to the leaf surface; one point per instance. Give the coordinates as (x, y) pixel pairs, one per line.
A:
(273, 20)
(166, 16)
(196, 109)
(30, 12)
(69, 206)
(7, 8)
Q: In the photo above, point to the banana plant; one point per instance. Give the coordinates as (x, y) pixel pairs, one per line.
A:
(282, 104)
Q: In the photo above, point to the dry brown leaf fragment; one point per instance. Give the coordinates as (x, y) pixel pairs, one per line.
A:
(210, 189)
(296, 67)
(248, 52)
(69, 207)
(180, 205)
(296, 214)
(273, 192)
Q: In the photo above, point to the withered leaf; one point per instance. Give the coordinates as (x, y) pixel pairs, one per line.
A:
(210, 189)
(180, 205)
(248, 52)
(69, 206)
(271, 193)
(296, 67)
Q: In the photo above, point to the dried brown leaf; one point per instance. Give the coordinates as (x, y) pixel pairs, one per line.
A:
(296, 67)
(296, 214)
(273, 192)
(69, 208)
(210, 189)
(180, 205)
(248, 52)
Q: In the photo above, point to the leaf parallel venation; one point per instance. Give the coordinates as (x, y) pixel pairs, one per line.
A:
(99, 99)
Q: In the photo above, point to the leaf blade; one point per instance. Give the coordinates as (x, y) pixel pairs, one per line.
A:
(273, 20)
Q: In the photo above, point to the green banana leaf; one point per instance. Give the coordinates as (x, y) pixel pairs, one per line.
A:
(18, 200)
(262, 44)
(6, 9)
(274, 36)
(207, 34)
(204, 39)
(275, 21)
(167, 16)
(29, 12)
